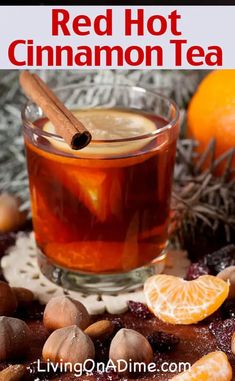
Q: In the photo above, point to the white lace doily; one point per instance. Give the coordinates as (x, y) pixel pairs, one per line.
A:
(20, 269)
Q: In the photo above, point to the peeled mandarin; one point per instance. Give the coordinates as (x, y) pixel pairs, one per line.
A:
(212, 367)
(177, 301)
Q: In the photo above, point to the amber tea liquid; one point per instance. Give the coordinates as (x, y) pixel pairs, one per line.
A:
(104, 210)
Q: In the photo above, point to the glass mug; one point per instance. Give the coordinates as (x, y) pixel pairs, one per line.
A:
(101, 214)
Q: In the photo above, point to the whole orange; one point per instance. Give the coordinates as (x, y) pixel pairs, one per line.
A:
(211, 112)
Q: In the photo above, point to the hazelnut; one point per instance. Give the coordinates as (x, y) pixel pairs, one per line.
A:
(23, 296)
(100, 330)
(8, 302)
(11, 218)
(13, 373)
(69, 344)
(63, 311)
(229, 274)
(128, 345)
(14, 338)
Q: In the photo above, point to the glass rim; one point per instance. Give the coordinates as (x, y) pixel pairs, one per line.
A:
(169, 125)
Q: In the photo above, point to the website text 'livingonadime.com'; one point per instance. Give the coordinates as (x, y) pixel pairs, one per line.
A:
(121, 366)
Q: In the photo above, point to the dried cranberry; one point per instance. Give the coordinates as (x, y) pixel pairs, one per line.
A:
(228, 309)
(220, 259)
(223, 331)
(102, 350)
(32, 312)
(140, 310)
(106, 376)
(34, 373)
(118, 324)
(197, 269)
(162, 341)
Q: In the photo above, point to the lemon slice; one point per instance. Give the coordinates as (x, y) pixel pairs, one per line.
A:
(108, 124)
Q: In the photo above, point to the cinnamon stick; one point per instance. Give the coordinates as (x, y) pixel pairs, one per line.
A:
(66, 124)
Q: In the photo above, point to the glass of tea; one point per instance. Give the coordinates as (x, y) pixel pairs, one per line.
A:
(101, 214)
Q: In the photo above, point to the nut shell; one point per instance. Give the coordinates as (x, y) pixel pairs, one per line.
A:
(229, 274)
(63, 311)
(11, 218)
(24, 296)
(8, 302)
(128, 345)
(69, 344)
(14, 338)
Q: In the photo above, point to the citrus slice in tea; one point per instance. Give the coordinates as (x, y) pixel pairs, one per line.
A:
(212, 367)
(100, 193)
(109, 125)
(177, 301)
(86, 256)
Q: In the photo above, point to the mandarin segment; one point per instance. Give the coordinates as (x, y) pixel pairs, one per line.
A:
(211, 367)
(177, 301)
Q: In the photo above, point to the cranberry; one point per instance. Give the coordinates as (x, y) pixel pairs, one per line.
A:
(102, 350)
(106, 376)
(228, 309)
(32, 312)
(33, 372)
(220, 259)
(162, 341)
(223, 331)
(197, 269)
(140, 310)
(118, 324)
